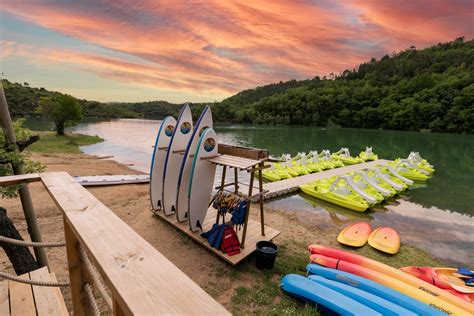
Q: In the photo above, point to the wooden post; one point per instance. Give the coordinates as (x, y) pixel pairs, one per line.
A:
(224, 170)
(25, 197)
(242, 243)
(260, 187)
(236, 179)
(75, 271)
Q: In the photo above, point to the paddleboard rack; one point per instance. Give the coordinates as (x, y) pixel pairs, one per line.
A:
(238, 159)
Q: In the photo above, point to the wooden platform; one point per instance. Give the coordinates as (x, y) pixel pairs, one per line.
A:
(291, 185)
(24, 299)
(253, 235)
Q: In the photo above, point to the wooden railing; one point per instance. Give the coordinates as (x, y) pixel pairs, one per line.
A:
(140, 279)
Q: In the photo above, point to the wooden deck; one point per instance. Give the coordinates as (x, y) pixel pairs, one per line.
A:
(291, 185)
(24, 299)
(253, 235)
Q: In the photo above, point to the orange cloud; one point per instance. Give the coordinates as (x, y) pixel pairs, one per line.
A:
(226, 46)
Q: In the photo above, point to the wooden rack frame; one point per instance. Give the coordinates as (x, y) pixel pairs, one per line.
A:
(251, 166)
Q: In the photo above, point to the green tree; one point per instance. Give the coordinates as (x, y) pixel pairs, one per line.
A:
(64, 110)
(8, 156)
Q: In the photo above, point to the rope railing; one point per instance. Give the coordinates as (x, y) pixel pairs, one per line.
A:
(92, 300)
(30, 243)
(15, 278)
(96, 278)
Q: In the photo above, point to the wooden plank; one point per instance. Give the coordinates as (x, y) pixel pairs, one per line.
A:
(4, 302)
(291, 185)
(253, 235)
(246, 152)
(46, 299)
(59, 295)
(112, 179)
(23, 178)
(141, 279)
(21, 298)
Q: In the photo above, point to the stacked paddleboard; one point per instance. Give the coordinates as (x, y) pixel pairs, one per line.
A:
(180, 178)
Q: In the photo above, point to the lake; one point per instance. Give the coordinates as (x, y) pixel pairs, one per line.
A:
(437, 216)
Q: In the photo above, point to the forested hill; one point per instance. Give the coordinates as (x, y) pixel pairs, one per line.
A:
(429, 89)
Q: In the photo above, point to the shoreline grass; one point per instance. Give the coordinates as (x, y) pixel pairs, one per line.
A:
(49, 142)
(265, 296)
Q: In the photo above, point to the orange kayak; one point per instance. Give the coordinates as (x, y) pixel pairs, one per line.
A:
(355, 234)
(385, 239)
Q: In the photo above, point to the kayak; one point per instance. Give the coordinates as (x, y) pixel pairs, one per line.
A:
(342, 196)
(385, 239)
(355, 235)
(394, 283)
(444, 278)
(369, 286)
(378, 304)
(390, 274)
(303, 288)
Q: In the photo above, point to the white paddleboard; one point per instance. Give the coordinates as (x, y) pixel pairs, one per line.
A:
(204, 121)
(174, 157)
(202, 178)
(165, 132)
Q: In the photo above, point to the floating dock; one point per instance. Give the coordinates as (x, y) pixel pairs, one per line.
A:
(288, 186)
(253, 235)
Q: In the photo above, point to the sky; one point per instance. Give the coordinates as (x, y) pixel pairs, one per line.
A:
(207, 50)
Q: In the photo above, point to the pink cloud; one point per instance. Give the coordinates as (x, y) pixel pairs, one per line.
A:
(226, 46)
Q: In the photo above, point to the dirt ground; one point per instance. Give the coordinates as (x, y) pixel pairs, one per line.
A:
(131, 203)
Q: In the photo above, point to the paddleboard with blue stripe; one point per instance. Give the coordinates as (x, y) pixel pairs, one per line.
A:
(174, 157)
(162, 141)
(202, 178)
(204, 121)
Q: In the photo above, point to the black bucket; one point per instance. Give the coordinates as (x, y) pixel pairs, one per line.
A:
(266, 255)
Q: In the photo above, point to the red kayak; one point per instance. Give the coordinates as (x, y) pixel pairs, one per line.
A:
(444, 279)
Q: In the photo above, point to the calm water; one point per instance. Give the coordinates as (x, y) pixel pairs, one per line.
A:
(437, 217)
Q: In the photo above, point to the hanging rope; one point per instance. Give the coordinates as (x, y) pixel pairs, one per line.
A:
(92, 300)
(96, 278)
(31, 282)
(30, 243)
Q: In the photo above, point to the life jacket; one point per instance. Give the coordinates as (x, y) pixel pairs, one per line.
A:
(238, 214)
(214, 235)
(230, 242)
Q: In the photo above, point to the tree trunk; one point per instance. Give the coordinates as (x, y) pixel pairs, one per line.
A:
(60, 128)
(20, 256)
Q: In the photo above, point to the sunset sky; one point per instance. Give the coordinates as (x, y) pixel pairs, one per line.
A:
(116, 50)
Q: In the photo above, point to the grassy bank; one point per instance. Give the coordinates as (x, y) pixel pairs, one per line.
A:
(49, 142)
(264, 295)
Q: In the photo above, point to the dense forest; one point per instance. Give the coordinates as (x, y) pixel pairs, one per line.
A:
(429, 89)
(421, 90)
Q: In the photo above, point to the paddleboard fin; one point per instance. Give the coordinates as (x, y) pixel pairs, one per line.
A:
(186, 215)
(198, 225)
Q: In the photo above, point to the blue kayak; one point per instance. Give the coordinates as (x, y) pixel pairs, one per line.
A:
(372, 301)
(303, 288)
(374, 288)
